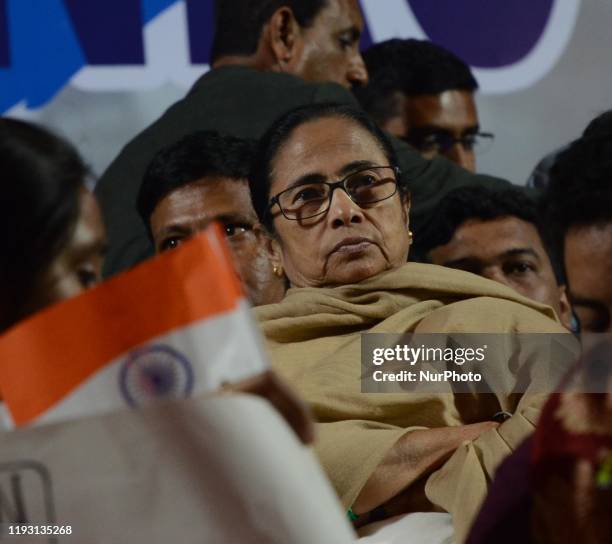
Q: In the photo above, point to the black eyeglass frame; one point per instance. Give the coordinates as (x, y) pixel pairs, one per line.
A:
(332, 187)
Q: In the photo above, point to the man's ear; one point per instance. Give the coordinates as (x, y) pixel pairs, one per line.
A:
(565, 308)
(285, 40)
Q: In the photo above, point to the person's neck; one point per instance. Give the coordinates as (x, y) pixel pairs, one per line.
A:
(250, 61)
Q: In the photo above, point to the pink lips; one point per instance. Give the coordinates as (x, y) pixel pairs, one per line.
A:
(351, 245)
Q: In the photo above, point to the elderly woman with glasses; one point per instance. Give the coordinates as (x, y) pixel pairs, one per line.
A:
(325, 184)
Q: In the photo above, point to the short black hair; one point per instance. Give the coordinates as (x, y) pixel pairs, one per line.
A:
(579, 192)
(411, 67)
(238, 23)
(205, 153)
(280, 131)
(43, 176)
(485, 204)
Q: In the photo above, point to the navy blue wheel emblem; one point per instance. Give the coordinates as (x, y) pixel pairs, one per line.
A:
(155, 373)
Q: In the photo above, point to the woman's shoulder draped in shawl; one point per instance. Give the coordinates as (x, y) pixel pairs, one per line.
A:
(314, 340)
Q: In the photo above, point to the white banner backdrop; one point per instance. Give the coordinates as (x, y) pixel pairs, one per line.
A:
(536, 101)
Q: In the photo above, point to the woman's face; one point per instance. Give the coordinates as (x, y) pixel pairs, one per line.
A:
(79, 265)
(348, 243)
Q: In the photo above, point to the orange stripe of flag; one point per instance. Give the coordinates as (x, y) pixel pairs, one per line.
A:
(44, 358)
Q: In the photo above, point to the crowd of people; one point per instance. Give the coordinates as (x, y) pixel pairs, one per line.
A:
(347, 189)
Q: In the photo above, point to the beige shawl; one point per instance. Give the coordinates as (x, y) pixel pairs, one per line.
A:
(314, 341)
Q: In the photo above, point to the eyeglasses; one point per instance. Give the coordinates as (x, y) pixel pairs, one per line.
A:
(441, 142)
(365, 186)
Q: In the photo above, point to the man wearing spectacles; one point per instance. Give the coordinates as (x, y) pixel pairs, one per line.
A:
(423, 94)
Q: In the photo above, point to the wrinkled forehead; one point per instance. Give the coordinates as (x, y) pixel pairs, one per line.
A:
(323, 146)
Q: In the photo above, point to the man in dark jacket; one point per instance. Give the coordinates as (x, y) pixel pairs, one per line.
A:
(268, 57)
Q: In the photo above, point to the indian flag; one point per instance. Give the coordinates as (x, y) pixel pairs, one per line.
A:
(173, 327)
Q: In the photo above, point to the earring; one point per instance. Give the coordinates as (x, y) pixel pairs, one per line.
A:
(282, 63)
(410, 236)
(278, 271)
